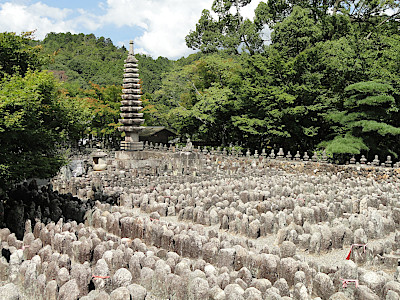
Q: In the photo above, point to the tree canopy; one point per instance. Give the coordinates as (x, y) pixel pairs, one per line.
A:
(32, 124)
(326, 77)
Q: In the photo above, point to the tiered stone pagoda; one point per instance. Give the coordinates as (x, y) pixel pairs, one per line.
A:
(131, 105)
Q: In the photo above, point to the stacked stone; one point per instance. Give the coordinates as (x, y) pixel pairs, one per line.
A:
(131, 105)
(120, 254)
(312, 207)
(237, 205)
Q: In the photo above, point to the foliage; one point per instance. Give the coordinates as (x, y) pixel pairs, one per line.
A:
(347, 144)
(87, 58)
(95, 113)
(366, 116)
(17, 54)
(329, 77)
(197, 99)
(297, 32)
(230, 32)
(32, 124)
(152, 71)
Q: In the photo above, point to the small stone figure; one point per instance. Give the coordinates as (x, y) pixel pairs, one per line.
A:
(297, 156)
(388, 162)
(289, 156)
(314, 158)
(248, 153)
(352, 160)
(324, 157)
(189, 145)
(280, 153)
(306, 157)
(256, 154)
(376, 161)
(263, 153)
(363, 160)
(272, 155)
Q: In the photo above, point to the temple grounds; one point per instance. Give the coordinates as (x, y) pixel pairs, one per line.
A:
(191, 224)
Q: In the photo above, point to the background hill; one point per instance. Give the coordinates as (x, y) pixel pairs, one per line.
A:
(87, 58)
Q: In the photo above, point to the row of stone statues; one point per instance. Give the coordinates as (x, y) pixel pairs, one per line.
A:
(233, 151)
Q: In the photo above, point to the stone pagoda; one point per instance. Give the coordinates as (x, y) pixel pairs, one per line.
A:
(131, 105)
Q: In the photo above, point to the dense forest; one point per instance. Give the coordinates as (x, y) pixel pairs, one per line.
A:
(326, 77)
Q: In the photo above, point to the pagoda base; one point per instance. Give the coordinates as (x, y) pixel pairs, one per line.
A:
(131, 146)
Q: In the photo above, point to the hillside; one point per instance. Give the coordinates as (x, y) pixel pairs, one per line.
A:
(80, 59)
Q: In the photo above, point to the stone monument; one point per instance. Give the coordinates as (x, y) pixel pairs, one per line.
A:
(131, 105)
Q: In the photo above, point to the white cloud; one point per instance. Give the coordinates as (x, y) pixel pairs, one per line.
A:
(43, 10)
(164, 23)
(43, 18)
(248, 10)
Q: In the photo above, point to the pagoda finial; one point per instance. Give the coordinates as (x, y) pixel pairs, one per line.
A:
(131, 47)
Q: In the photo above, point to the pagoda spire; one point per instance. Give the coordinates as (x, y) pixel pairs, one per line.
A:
(131, 47)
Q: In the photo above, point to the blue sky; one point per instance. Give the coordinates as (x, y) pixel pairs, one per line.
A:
(158, 27)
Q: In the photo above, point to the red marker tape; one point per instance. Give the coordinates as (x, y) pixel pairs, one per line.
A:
(346, 281)
(100, 277)
(356, 245)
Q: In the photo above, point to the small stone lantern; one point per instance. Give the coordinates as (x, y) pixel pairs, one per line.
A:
(99, 161)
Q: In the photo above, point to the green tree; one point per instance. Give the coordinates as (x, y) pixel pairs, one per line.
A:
(32, 125)
(99, 111)
(85, 58)
(230, 32)
(198, 99)
(367, 116)
(17, 54)
(152, 71)
(296, 32)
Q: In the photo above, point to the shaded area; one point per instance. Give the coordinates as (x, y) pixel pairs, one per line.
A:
(28, 201)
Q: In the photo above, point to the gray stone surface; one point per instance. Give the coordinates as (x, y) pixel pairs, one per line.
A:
(198, 289)
(240, 227)
(234, 292)
(121, 293)
(9, 292)
(137, 292)
(69, 291)
(122, 278)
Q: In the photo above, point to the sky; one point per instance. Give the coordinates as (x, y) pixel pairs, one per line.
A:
(158, 27)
